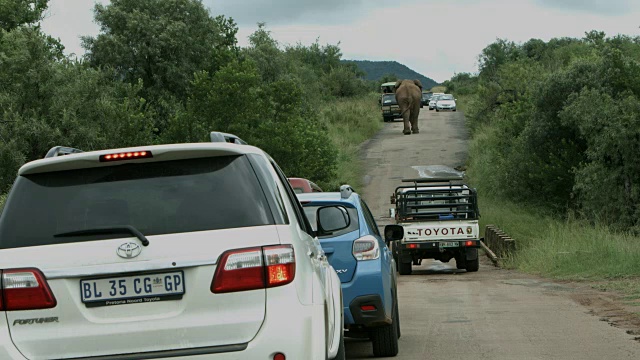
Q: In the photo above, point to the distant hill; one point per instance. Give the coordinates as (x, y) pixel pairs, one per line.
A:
(375, 70)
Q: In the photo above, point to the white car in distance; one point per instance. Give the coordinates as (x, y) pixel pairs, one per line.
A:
(433, 101)
(172, 251)
(446, 102)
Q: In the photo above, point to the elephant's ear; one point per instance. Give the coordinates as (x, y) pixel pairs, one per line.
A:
(418, 83)
(398, 83)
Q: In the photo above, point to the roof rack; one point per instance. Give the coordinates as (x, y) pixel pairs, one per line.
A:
(61, 151)
(217, 136)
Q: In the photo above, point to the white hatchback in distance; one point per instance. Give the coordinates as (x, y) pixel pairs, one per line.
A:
(173, 251)
(433, 100)
(446, 102)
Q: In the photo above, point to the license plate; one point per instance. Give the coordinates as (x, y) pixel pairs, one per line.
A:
(448, 244)
(132, 289)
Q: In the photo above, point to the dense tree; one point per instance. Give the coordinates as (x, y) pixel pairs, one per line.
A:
(556, 124)
(14, 13)
(163, 43)
(165, 71)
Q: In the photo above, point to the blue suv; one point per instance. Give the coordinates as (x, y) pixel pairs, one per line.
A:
(365, 266)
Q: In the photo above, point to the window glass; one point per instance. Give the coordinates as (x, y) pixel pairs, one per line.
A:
(371, 222)
(311, 212)
(155, 197)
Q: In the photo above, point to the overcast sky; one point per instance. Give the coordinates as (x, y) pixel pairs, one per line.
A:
(435, 38)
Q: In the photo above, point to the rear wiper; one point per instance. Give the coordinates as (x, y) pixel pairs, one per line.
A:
(116, 229)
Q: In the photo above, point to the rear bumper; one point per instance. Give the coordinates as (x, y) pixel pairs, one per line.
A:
(434, 250)
(292, 329)
(369, 318)
(436, 245)
(365, 288)
(391, 113)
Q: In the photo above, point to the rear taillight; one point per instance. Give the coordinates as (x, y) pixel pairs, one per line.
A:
(366, 248)
(280, 264)
(25, 289)
(254, 268)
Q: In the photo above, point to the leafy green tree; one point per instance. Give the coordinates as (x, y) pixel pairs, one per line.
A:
(496, 55)
(14, 13)
(163, 43)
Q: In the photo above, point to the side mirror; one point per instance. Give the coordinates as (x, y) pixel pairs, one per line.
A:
(393, 232)
(331, 219)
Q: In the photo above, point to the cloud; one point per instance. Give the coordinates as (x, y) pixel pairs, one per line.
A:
(609, 7)
(250, 12)
(69, 20)
(435, 38)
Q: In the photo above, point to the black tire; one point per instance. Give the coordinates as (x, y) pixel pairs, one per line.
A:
(341, 355)
(461, 263)
(385, 119)
(473, 265)
(453, 110)
(385, 338)
(397, 314)
(437, 110)
(404, 268)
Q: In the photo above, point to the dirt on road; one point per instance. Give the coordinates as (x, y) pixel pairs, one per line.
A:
(447, 313)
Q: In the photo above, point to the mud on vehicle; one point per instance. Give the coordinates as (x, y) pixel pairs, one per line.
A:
(440, 221)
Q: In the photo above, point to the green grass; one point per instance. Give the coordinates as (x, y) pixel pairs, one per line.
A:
(350, 122)
(463, 101)
(567, 249)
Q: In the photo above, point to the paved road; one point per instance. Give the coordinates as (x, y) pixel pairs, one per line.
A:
(492, 314)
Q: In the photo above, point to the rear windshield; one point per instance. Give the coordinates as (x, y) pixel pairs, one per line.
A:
(389, 99)
(311, 212)
(156, 198)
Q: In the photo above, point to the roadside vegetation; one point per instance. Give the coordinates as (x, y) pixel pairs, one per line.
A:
(169, 71)
(555, 137)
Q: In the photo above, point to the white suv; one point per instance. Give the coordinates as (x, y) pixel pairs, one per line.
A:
(170, 251)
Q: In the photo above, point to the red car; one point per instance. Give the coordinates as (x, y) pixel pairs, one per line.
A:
(301, 186)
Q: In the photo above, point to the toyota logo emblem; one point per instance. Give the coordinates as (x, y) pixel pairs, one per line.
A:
(129, 250)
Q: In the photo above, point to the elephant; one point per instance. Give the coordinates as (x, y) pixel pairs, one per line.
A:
(409, 97)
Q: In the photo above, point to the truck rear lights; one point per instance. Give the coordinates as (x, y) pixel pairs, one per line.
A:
(368, 308)
(468, 243)
(254, 268)
(129, 155)
(279, 356)
(366, 248)
(25, 289)
(412, 246)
